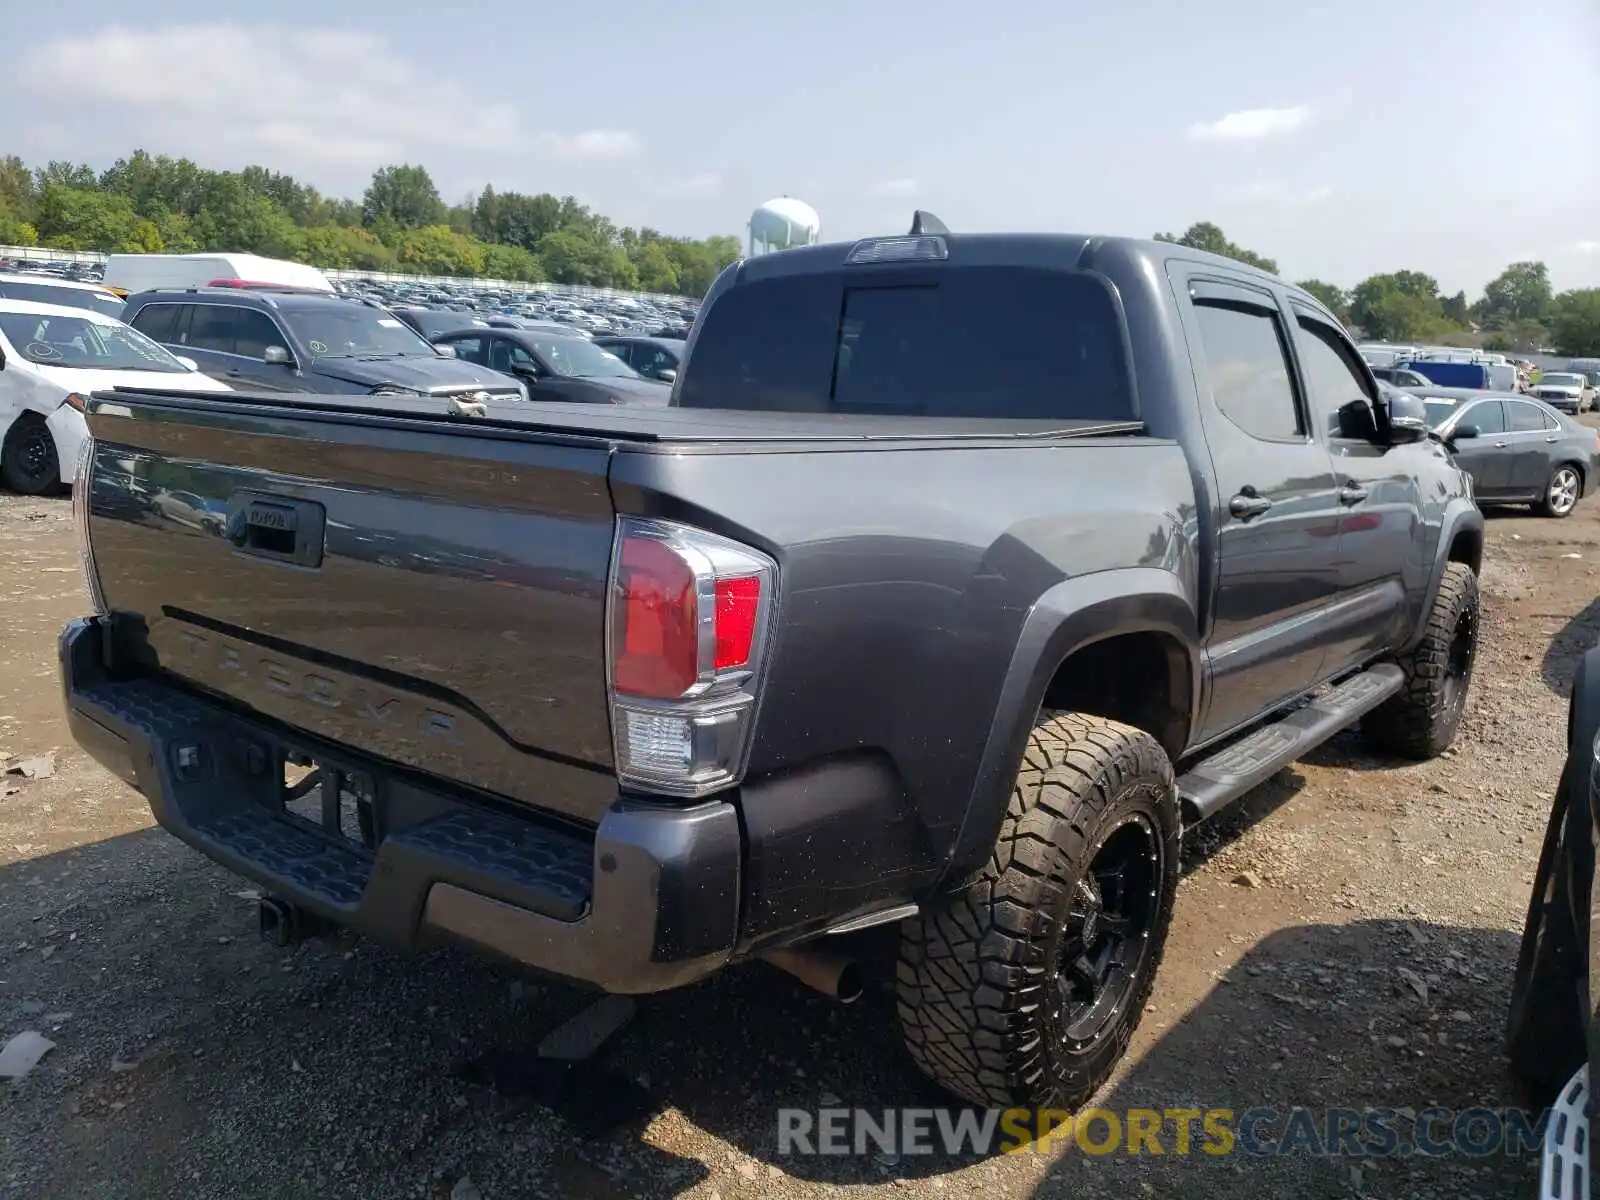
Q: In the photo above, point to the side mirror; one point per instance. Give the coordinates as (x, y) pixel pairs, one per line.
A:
(1465, 431)
(1408, 419)
(276, 356)
(667, 375)
(187, 361)
(446, 351)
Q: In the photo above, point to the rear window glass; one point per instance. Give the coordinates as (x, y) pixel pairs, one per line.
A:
(972, 342)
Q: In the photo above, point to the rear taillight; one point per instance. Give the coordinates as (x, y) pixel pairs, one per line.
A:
(81, 479)
(687, 621)
(75, 401)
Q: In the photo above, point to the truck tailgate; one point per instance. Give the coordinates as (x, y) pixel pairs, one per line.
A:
(426, 593)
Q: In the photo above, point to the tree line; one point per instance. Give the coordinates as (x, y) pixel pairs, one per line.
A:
(154, 203)
(1518, 312)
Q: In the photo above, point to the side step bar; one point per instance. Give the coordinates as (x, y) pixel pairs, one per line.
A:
(1215, 782)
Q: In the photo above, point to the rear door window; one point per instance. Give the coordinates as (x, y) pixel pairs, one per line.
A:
(965, 342)
(1523, 418)
(212, 327)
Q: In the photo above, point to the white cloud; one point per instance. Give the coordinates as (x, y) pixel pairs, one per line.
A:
(292, 97)
(1273, 192)
(1588, 246)
(316, 101)
(592, 145)
(1251, 124)
(895, 187)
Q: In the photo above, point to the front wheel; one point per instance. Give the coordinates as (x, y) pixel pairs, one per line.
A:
(1024, 987)
(1562, 492)
(1420, 721)
(28, 462)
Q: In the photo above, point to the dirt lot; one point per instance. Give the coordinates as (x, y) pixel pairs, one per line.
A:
(1345, 938)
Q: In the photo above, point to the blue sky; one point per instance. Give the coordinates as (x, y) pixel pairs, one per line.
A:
(1450, 136)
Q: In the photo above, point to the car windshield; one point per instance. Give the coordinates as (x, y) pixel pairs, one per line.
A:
(1439, 411)
(91, 299)
(579, 358)
(58, 341)
(1557, 379)
(337, 331)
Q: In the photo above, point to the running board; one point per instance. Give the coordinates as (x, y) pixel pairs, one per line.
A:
(1215, 782)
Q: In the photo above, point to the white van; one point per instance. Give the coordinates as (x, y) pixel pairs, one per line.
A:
(130, 273)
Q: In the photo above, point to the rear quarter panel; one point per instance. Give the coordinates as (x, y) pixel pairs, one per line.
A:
(905, 578)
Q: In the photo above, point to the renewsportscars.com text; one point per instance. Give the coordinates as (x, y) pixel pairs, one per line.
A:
(1258, 1132)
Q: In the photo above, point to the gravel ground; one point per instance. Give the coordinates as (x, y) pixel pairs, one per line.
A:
(1345, 936)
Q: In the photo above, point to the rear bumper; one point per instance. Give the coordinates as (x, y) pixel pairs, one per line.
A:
(647, 901)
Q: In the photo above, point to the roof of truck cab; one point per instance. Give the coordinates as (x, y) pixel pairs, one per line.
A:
(1058, 250)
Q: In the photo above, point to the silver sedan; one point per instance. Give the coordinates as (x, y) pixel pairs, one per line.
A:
(1518, 450)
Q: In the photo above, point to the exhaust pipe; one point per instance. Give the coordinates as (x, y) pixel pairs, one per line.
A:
(834, 976)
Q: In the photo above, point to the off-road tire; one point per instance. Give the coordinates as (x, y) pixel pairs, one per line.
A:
(1562, 491)
(26, 465)
(1420, 720)
(977, 971)
(1545, 1035)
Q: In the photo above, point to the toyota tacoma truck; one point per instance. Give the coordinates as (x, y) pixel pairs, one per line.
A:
(960, 575)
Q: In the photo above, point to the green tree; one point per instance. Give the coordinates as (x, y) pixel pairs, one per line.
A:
(1575, 323)
(406, 195)
(1523, 337)
(1399, 306)
(440, 250)
(1334, 298)
(1456, 309)
(1203, 235)
(1519, 293)
(657, 272)
(72, 218)
(65, 174)
(510, 262)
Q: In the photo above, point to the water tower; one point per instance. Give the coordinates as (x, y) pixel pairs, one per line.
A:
(783, 224)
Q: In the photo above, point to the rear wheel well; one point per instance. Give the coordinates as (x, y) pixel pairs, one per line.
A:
(1467, 547)
(1141, 679)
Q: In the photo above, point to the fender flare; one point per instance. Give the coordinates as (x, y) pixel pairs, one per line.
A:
(1460, 516)
(1071, 615)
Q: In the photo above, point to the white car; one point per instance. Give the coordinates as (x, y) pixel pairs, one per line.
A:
(52, 356)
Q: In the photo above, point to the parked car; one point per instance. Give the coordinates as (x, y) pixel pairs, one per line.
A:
(652, 357)
(1552, 1031)
(1566, 390)
(1517, 449)
(939, 608)
(297, 341)
(557, 367)
(431, 322)
(43, 289)
(1402, 377)
(51, 357)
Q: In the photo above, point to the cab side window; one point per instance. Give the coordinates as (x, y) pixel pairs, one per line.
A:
(1332, 378)
(1249, 370)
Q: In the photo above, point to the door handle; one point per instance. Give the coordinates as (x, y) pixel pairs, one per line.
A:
(1247, 504)
(1501, 445)
(1352, 493)
(1552, 439)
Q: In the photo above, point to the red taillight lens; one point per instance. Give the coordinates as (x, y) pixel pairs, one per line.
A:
(688, 614)
(655, 636)
(738, 602)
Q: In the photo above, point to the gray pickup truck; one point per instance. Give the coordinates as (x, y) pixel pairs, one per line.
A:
(962, 574)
